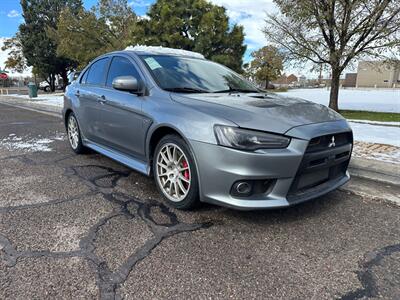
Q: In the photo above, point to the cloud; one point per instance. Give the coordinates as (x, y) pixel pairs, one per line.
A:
(251, 15)
(13, 13)
(140, 3)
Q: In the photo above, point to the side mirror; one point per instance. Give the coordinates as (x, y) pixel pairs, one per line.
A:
(126, 83)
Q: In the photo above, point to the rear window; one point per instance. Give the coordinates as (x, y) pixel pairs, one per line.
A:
(97, 71)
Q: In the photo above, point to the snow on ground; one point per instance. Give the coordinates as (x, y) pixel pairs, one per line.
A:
(56, 100)
(390, 157)
(380, 100)
(389, 135)
(384, 153)
(375, 122)
(26, 144)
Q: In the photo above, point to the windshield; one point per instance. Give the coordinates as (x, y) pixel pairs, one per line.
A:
(192, 75)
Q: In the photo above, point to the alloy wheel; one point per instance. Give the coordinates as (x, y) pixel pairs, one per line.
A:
(73, 132)
(173, 172)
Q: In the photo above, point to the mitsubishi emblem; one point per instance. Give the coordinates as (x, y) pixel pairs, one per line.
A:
(332, 143)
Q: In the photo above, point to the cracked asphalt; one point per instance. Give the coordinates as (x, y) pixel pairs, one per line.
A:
(87, 227)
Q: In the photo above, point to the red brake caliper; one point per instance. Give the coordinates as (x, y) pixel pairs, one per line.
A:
(186, 172)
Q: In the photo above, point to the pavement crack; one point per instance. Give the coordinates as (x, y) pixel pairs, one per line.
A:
(365, 274)
(10, 253)
(108, 281)
(102, 180)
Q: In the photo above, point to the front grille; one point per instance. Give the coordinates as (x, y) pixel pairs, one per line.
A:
(326, 159)
(322, 142)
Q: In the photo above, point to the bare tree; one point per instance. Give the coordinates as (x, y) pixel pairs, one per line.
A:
(335, 32)
(16, 60)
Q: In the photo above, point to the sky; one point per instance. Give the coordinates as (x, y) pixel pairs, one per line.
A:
(249, 13)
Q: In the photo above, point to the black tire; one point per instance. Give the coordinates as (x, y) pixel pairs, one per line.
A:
(191, 200)
(47, 89)
(79, 148)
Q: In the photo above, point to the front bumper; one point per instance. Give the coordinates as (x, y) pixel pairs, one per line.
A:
(291, 169)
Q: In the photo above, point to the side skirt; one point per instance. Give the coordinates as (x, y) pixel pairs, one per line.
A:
(128, 161)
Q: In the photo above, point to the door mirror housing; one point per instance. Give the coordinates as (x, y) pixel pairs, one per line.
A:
(127, 83)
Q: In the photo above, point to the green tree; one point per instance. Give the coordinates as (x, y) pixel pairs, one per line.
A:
(195, 25)
(335, 32)
(267, 64)
(84, 35)
(38, 47)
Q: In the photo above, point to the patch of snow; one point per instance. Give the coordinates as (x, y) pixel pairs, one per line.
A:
(13, 142)
(389, 135)
(164, 50)
(379, 100)
(60, 137)
(375, 122)
(391, 156)
(56, 100)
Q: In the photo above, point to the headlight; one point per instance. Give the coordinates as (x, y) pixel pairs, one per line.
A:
(243, 139)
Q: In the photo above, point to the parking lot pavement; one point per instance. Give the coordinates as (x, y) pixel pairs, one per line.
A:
(84, 226)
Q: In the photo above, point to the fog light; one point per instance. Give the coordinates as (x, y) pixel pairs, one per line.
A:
(255, 188)
(242, 189)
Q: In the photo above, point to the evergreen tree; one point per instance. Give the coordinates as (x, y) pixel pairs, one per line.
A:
(38, 47)
(195, 25)
(84, 35)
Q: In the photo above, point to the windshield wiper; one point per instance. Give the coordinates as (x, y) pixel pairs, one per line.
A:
(233, 90)
(185, 90)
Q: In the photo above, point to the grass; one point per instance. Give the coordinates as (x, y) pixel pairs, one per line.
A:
(370, 115)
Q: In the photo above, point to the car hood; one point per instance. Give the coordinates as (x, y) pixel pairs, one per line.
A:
(259, 111)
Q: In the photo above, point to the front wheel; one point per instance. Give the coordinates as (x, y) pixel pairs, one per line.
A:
(74, 134)
(175, 173)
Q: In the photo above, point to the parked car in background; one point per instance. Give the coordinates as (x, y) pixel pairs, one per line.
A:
(205, 133)
(45, 86)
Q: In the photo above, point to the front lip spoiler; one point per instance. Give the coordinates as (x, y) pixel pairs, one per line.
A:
(248, 205)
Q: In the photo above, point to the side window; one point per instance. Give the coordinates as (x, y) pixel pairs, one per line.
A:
(84, 77)
(121, 66)
(97, 72)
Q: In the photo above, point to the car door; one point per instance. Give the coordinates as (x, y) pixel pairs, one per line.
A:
(122, 120)
(89, 92)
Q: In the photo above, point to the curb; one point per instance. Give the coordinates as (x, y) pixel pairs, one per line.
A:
(375, 170)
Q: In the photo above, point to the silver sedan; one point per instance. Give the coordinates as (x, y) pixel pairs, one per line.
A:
(205, 133)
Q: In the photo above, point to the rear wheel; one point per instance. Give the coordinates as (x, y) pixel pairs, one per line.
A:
(74, 134)
(175, 173)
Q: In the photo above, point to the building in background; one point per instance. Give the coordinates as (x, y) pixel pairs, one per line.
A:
(292, 79)
(378, 74)
(350, 80)
(285, 81)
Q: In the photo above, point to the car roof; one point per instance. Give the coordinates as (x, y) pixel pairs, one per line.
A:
(159, 50)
